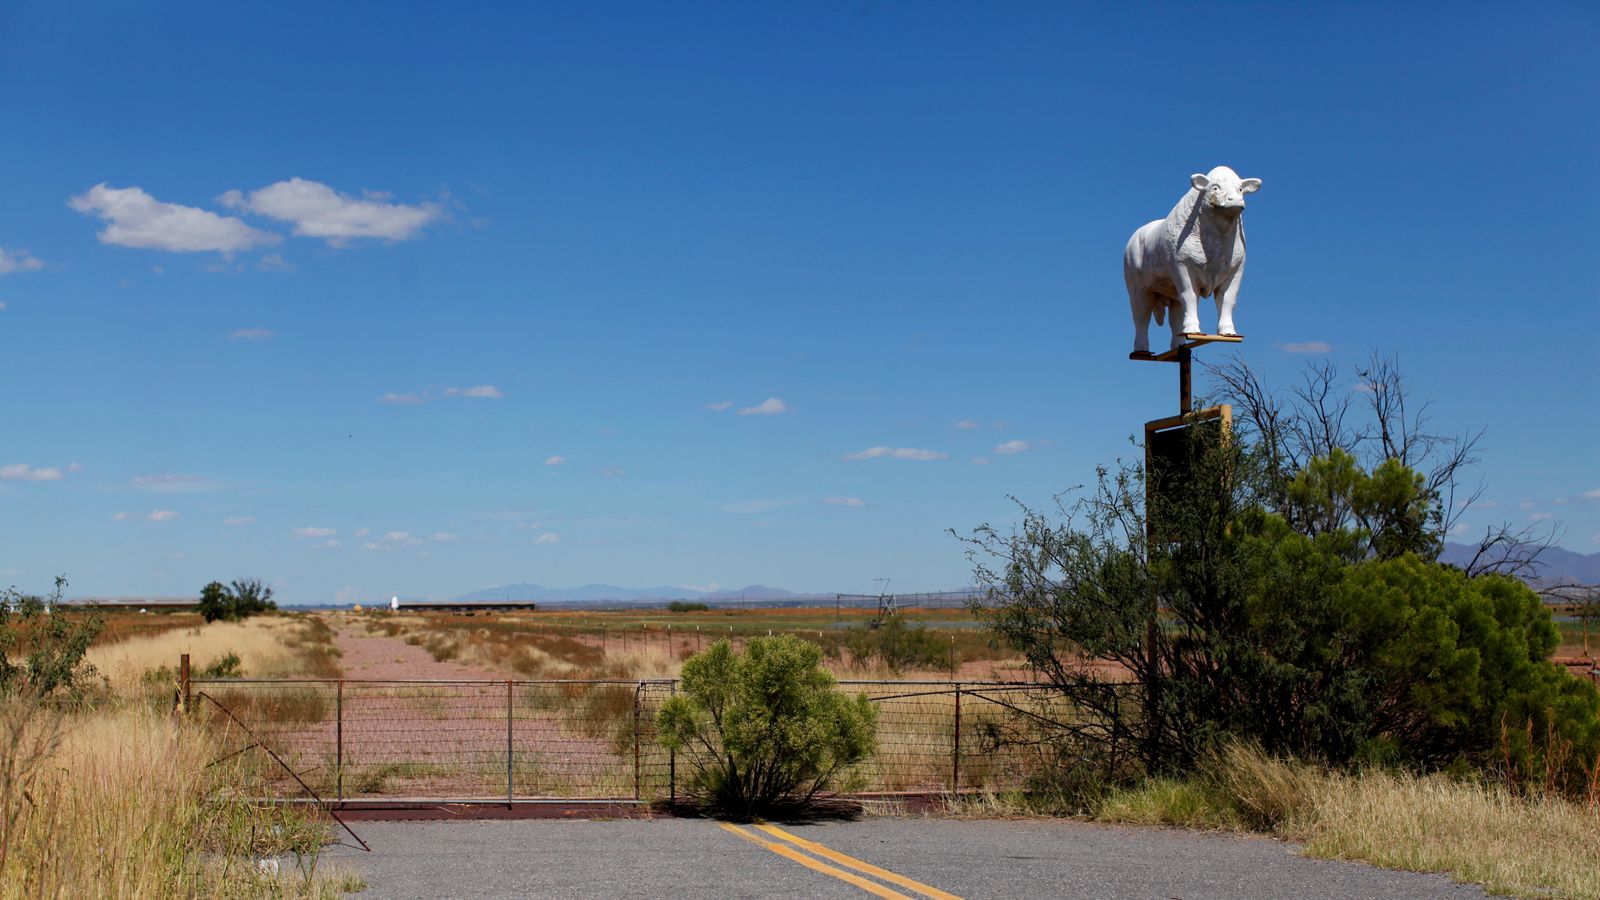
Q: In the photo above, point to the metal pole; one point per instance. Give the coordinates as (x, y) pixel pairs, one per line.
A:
(638, 695)
(955, 755)
(1185, 401)
(183, 680)
(509, 720)
(672, 759)
(338, 741)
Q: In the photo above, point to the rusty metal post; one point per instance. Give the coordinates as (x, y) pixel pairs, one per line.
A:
(1185, 399)
(672, 758)
(338, 742)
(183, 680)
(638, 699)
(509, 735)
(955, 753)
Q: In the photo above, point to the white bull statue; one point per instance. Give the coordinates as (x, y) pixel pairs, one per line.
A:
(1196, 251)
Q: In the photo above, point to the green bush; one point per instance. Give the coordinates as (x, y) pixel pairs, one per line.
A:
(1292, 600)
(898, 646)
(240, 600)
(680, 606)
(42, 644)
(764, 728)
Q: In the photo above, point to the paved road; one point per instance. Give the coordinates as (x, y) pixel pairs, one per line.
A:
(888, 857)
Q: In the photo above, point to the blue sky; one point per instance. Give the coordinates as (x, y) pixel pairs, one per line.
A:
(389, 298)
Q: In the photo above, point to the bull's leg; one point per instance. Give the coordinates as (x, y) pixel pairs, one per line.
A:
(1175, 319)
(1227, 295)
(1190, 302)
(1139, 302)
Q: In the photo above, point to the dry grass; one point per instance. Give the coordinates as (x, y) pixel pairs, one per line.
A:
(260, 643)
(122, 804)
(267, 646)
(1527, 847)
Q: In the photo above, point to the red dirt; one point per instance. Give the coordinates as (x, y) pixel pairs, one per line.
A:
(380, 657)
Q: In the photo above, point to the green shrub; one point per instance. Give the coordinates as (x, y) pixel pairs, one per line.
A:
(766, 727)
(42, 645)
(243, 598)
(680, 606)
(898, 646)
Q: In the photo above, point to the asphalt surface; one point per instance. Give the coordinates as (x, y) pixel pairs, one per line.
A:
(968, 858)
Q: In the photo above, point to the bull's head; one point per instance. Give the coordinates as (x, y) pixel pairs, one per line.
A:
(1223, 190)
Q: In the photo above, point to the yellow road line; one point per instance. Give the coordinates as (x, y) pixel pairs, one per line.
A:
(810, 863)
(858, 865)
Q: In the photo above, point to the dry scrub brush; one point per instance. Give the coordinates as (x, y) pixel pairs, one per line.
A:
(122, 803)
(1474, 831)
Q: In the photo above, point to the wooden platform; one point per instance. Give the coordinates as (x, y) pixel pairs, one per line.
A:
(1191, 340)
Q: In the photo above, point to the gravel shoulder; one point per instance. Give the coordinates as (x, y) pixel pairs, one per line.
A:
(970, 858)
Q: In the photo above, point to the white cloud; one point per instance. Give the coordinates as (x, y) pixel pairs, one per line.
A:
(444, 536)
(394, 399)
(25, 472)
(549, 537)
(328, 545)
(482, 391)
(169, 483)
(136, 219)
(755, 506)
(252, 334)
(74, 467)
(1590, 495)
(317, 210)
(401, 537)
(966, 425)
(272, 262)
(362, 532)
(555, 460)
(1306, 348)
(314, 532)
(238, 520)
(18, 261)
(771, 406)
(844, 501)
(1012, 448)
(720, 406)
(613, 472)
(162, 515)
(895, 453)
(122, 517)
(1541, 517)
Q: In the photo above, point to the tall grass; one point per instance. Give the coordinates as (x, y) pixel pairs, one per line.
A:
(260, 644)
(123, 803)
(1539, 846)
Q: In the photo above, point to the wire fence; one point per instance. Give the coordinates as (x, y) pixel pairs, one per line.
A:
(518, 741)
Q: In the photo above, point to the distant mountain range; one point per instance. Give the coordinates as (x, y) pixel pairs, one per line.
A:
(590, 593)
(1557, 565)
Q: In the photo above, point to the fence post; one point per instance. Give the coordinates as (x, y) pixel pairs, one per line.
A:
(638, 699)
(338, 741)
(509, 720)
(672, 757)
(955, 755)
(183, 680)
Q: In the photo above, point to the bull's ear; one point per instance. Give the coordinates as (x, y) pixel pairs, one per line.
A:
(1200, 182)
(1249, 185)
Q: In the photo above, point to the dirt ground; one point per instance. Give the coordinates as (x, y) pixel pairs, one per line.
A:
(380, 657)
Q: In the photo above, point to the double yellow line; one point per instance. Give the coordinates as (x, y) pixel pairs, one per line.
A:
(871, 887)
